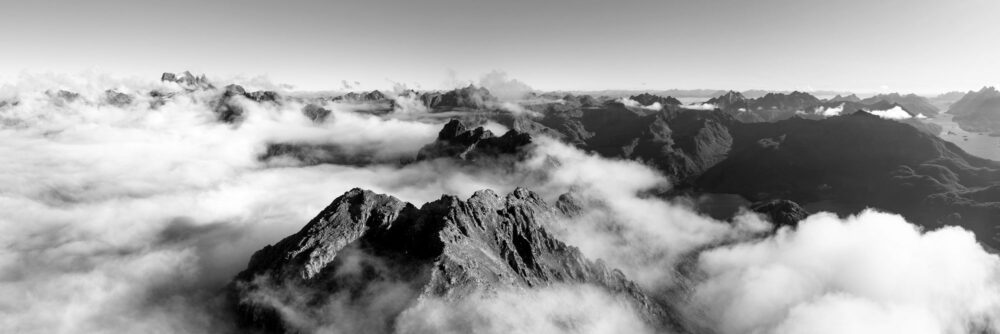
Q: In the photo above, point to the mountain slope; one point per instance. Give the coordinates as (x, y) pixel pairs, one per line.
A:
(364, 243)
(912, 103)
(978, 111)
(847, 163)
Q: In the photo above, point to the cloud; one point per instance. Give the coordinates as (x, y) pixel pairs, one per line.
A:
(131, 218)
(635, 104)
(642, 235)
(504, 88)
(701, 106)
(123, 219)
(553, 309)
(896, 112)
(831, 111)
(869, 273)
(371, 294)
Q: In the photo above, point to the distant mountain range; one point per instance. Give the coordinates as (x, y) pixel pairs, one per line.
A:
(978, 111)
(780, 106)
(823, 154)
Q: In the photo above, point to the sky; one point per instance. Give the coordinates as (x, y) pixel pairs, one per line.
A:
(858, 45)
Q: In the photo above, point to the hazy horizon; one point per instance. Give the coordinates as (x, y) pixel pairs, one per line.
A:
(923, 47)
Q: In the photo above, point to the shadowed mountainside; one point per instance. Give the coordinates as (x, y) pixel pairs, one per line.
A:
(978, 111)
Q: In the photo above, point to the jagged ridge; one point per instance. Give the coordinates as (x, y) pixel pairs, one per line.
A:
(448, 249)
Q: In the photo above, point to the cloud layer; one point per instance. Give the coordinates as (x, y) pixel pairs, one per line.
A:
(869, 273)
(130, 218)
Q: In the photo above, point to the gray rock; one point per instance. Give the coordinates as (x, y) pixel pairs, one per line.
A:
(446, 249)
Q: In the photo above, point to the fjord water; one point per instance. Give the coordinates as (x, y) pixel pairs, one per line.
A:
(979, 144)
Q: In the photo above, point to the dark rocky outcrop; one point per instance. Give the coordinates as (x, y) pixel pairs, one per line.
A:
(230, 111)
(117, 98)
(646, 99)
(454, 141)
(780, 212)
(316, 113)
(363, 243)
(369, 97)
(308, 154)
(849, 98)
(776, 106)
(465, 97)
(730, 101)
(187, 80)
(374, 101)
(682, 143)
(457, 141)
(794, 101)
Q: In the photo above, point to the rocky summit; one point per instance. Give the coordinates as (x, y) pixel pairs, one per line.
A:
(457, 141)
(364, 242)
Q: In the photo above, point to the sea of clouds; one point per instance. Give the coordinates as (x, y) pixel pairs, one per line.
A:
(133, 218)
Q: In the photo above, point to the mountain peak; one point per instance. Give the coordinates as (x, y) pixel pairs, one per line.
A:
(187, 80)
(448, 248)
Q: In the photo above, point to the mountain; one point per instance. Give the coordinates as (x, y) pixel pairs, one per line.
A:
(847, 163)
(978, 111)
(773, 107)
(769, 107)
(912, 103)
(841, 163)
(456, 141)
(465, 97)
(679, 142)
(781, 212)
(369, 97)
(729, 101)
(646, 99)
(230, 111)
(365, 246)
(778, 106)
(117, 98)
(316, 113)
(944, 101)
(187, 80)
(849, 98)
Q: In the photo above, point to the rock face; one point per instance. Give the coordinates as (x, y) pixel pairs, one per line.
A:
(647, 99)
(187, 80)
(732, 100)
(978, 111)
(682, 143)
(230, 111)
(781, 212)
(316, 113)
(364, 242)
(849, 98)
(369, 97)
(117, 98)
(466, 97)
(792, 101)
(373, 102)
(457, 141)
